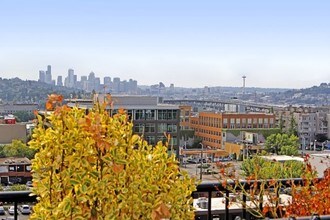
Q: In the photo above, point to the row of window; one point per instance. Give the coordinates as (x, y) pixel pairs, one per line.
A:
(233, 126)
(151, 128)
(19, 168)
(216, 122)
(152, 140)
(152, 114)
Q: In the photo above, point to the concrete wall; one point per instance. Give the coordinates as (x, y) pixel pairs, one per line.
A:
(232, 148)
(9, 132)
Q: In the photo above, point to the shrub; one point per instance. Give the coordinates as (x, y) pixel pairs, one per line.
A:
(91, 166)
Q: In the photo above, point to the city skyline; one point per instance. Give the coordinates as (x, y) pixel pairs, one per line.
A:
(276, 44)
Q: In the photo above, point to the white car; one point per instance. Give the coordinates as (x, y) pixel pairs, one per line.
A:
(11, 210)
(25, 209)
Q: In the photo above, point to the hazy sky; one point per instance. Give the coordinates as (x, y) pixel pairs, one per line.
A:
(275, 43)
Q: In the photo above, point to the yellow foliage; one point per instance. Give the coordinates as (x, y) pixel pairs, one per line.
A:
(93, 167)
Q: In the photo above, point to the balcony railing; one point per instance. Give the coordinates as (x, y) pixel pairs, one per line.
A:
(207, 190)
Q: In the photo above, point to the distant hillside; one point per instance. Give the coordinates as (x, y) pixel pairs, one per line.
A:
(316, 95)
(28, 91)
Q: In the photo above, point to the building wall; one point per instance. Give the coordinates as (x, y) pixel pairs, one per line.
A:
(209, 125)
(11, 108)
(9, 132)
(152, 120)
(185, 112)
(233, 148)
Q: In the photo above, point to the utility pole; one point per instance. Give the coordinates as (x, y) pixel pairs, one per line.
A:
(201, 170)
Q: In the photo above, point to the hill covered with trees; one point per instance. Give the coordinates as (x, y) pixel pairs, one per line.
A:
(27, 91)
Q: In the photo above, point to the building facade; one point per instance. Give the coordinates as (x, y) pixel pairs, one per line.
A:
(212, 127)
(152, 120)
(15, 170)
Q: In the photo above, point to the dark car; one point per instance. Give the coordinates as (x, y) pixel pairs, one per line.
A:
(2, 210)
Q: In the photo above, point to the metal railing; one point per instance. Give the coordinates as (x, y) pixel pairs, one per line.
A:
(207, 189)
(16, 197)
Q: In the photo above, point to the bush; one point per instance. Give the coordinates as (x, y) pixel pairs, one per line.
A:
(93, 167)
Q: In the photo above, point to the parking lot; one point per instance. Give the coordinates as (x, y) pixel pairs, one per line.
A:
(8, 216)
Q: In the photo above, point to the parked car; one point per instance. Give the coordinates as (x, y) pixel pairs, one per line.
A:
(192, 160)
(11, 210)
(2, 210)
(25, 209)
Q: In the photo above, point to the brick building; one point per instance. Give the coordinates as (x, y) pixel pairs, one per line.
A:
(212, 127)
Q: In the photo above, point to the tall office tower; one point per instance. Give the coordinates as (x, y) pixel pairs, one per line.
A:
(107, 84)
(97, 84)
(70, 79)
(84, 82)
(49, 75)
(91, 82)
(132, 86)
(116, 85)
(59, 81)
(42, 76)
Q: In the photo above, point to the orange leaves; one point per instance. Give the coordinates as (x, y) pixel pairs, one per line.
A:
(53, 100)
(160, 212)
(117, 168)
(311, 198)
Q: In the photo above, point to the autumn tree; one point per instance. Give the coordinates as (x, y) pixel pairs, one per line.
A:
(313, 195)
(91, 166)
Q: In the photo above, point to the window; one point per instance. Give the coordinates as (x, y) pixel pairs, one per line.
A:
(151, 140)
(139, 128)
(150, 114)
(12, 168)
(139, 114)
(20, 168)
(28, 168)
(162, 114)
(162, 127)
(172, 128)
(150, 127)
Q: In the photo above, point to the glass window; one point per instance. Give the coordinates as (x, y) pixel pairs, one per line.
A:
(162, 115)
(162, 127)
(28, 168)
(12, 168)
(151, 140)
(150, 127)
(20, 168)
(139, 114)
(172, 128)
(150, 114)
(139, 128)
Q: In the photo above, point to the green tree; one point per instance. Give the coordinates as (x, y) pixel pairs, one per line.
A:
(24, 116)
(293, 126)
(93, 167)
(259, 168)
(276, 143)
(18, 149)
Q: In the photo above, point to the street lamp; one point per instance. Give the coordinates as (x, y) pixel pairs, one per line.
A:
(201, 170)
(314, 145)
